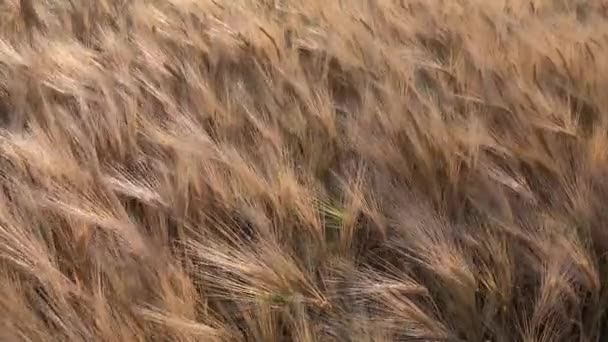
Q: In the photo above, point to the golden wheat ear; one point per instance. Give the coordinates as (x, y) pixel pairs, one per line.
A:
(282, 170)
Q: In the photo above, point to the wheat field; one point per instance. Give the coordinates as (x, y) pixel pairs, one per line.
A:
(338, 170)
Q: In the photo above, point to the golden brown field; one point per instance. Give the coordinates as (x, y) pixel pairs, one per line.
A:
(283, 170)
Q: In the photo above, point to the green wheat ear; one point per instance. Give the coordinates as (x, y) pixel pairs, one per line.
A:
(279, 299)
(333, 218)
(331, 213)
